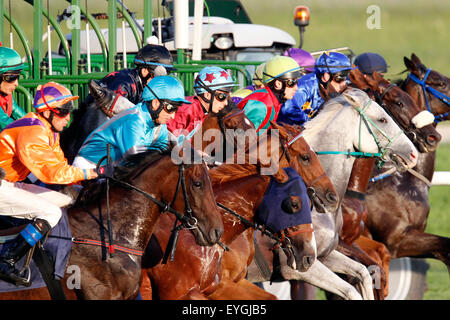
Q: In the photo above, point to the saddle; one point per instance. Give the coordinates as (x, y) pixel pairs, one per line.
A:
(46, 264)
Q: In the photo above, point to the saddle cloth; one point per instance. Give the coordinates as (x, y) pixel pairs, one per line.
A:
(272, 211)
(57, 247)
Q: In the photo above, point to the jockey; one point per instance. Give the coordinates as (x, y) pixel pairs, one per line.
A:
(10, 67)
(280, 77)
(304, 59)
(369, 62)
(329, 78)
(151, 60)
(137, 129)
(29, 150)
(212, 87)
(240, 94)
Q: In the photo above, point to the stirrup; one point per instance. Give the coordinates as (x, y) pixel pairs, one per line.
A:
(18, 278)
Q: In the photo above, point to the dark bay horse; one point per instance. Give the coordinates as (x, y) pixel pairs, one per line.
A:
(134, 215)
(398, 205)
(241, 189)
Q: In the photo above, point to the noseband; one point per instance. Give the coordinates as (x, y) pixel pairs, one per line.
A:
(437, 94)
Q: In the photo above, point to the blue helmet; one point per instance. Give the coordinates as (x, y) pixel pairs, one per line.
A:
(164, 88)
(212, 79)
(332, 62)
(369, 62)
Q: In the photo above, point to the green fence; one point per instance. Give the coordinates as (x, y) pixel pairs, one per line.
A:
(25, 92)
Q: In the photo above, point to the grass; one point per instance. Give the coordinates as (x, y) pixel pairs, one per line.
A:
(406, 26)
(439, 224)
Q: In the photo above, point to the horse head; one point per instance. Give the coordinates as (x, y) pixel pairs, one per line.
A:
(429, 88)
(110, 102)
(224, 131)
(300, 156)
(416, 122)
(183, 184)
(376, 132)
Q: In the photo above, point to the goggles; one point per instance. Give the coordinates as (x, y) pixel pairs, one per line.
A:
(170, 106)
(221, 96)
(340, 76)
(10, 77)
(61, 113)
(290, 82)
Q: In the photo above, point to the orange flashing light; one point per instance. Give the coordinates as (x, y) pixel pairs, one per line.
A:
(301, 16)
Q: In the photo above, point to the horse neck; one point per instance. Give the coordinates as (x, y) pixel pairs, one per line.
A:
(243, 196)
(331, 137)
(155, 182)
(360, 175)
(425, 164)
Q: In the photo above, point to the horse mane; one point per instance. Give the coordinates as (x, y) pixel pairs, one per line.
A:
(131, 167)
(135, 164)
(327, 112)
(230, 172)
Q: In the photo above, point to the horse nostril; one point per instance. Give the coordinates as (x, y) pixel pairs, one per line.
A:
(432, 139)
(331, 197)
(216, 234)
(308, 261)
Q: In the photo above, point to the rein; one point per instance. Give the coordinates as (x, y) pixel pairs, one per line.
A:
(370, 125)
(437, 94)
(188, 221)
(279, 241)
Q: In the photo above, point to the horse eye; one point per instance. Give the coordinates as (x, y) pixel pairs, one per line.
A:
(399, 103)
(197, 184)
(441, 84)
(383, 120)
(305, 158)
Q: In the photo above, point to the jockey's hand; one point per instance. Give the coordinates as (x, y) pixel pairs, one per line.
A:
(106, 171)
(93, 174)
(2, 174)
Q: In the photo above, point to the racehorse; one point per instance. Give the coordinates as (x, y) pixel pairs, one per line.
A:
(98, 107)
(417, 125)
(234, 181)
(398, 205)
(137, 196)
(347, 126)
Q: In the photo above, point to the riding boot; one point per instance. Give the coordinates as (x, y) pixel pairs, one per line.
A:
(15, 249)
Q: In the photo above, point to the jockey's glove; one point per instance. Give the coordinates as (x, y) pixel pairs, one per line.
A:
(106, 171)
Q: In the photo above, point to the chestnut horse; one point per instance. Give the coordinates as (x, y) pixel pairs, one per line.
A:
(398, 205)
(231, 182)
(134, 211)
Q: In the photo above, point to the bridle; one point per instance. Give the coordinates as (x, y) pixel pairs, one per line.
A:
(311, 191)
(379, 98)
(437, 94)
(188, 221)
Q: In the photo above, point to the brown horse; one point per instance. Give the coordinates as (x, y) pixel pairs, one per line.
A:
(398, 205)
(231, 182)
(134, 209)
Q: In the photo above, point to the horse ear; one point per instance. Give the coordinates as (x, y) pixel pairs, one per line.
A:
(281, 176)
(415, 59)
(412, 67)
(281, 131)
(358, 79)
(372, 80)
